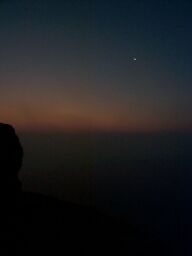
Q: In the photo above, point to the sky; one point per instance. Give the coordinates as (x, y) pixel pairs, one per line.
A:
(96, 65)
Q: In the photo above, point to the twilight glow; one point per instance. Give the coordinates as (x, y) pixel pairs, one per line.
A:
(95, 65)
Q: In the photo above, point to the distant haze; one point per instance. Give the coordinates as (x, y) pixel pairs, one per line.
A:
(58, 164)
(81, 167)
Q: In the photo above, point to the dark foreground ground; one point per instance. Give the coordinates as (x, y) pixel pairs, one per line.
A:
(39, 224)
(145, 181)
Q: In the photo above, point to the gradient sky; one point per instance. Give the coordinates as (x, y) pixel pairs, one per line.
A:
(69, 64)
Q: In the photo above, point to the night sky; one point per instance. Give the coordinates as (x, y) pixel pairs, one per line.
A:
(96, 65)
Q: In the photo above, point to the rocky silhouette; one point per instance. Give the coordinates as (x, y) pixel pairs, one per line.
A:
(32, 221)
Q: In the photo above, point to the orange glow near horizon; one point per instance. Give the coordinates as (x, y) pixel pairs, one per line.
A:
(73, 114)
(55, 121)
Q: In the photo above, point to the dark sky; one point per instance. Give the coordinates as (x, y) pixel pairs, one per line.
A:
(112, 65)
